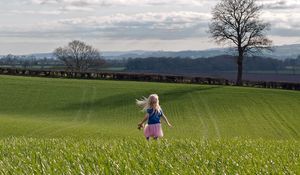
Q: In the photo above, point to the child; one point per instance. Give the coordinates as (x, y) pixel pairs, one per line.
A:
(154, 112)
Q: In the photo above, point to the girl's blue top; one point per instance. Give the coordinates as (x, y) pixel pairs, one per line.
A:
(154, 116)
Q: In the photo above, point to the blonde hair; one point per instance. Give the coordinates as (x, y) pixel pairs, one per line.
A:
(150, 102)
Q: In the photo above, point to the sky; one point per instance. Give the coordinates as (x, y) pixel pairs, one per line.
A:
(40, 26)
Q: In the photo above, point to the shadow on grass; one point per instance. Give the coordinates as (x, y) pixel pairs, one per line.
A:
(128, 99)
(177, 94)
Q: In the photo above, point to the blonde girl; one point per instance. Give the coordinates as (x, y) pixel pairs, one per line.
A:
(153, 115)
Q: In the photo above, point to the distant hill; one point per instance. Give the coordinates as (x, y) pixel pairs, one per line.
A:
(279, 52)
(284, 51)
(173, 54)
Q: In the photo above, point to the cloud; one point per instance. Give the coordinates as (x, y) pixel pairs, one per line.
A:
(283, 24)
(120, 2)
(282, 4)
(169, 25)
(282, 19)
(76, 8)
(59, 11)
(140, 21)
(89, 5)
(34, 12)
(172, 25)
(44, 1)
(149, 25)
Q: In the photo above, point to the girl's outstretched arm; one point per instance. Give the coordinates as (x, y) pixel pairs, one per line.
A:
(144, 120)
(166, 120)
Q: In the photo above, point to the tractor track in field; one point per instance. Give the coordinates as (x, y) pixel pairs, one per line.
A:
(70, 124)
(198, 114)
(212, 119)
(282, 122)
(271, 120)
(248, 117)
(32, 133)
(82, 106)
(75, 118)
(87, 116)
(92, 99)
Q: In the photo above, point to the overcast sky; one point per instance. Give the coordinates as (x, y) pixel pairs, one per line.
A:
(36, 26)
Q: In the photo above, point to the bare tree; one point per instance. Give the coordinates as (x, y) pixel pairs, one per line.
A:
(237, 22)
(78, 56)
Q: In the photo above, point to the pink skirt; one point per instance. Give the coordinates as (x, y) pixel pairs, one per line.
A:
(153, 130)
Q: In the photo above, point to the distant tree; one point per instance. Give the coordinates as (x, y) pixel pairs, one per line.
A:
(78, 56)
(43, 62)
(237, 22)
(26, 63)
(10, 60)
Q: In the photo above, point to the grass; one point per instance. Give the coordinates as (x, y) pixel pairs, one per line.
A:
(63, 126)
(135, 156)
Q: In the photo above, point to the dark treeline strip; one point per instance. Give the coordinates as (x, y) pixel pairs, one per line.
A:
(29, 62)
(212, 64)
(144, 77)
(164, 65)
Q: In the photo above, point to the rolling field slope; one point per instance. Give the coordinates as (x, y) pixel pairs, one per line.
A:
(41, 107)
(37, 107)
(63, 126)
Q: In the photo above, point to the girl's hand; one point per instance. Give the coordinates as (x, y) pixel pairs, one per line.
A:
(140, 126)
(170, 125)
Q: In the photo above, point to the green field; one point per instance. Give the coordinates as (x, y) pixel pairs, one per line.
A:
(89, 126)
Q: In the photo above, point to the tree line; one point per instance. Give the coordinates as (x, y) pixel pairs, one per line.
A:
(76, 56)
(162, 64)
(30, 61)
(207, 65)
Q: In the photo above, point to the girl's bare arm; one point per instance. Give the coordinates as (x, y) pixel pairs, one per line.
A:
(166, 120)
(145, 119)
